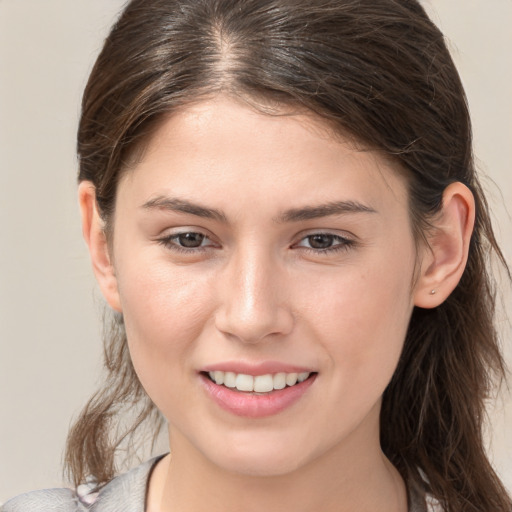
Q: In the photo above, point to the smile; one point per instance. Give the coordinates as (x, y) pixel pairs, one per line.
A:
(257, 384)
(257, 396)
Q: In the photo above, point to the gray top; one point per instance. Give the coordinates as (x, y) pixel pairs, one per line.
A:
(126, 493)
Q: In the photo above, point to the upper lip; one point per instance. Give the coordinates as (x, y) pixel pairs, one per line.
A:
(256, 368)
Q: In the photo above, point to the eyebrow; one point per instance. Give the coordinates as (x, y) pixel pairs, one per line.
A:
(324, 210)
(293, 215)
(183, 206)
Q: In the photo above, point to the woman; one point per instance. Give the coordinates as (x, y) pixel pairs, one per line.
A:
(283, 213)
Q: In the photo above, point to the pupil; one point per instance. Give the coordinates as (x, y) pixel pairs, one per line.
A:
(320, 241)
(191, 239)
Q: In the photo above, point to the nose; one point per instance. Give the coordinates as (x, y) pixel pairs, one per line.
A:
(253, 305)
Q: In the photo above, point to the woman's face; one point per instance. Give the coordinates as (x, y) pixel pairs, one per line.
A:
(258, 245)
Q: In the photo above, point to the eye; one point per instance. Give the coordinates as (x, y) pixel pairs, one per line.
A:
(190, 240)
(320, 241)
(324, 242)
(186, 241)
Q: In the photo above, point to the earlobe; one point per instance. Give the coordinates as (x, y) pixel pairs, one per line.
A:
(96, 240)
(445, 258)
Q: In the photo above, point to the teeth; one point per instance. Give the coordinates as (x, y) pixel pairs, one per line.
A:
(244, 382)
(302, 376)
(291, 379)
(263, 383)
(279, 381)
(230, 379)
(258, 384)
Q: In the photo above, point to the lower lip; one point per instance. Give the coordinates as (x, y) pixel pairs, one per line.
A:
(255, 406)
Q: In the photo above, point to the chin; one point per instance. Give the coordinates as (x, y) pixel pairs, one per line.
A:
(260, 458)
(258, 466)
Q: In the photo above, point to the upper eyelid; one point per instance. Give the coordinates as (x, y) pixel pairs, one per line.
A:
(174, 232)
(329, 232)
(170, 239)
(325, 233)
(179, 233)
(299, 236)
(339, 238)
(295, 240)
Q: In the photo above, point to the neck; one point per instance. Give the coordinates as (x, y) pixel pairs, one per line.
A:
(353, 476)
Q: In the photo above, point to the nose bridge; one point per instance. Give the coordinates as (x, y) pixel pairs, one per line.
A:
(253, 304)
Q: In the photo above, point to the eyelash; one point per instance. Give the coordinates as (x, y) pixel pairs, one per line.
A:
(170, 242)
(343, 243)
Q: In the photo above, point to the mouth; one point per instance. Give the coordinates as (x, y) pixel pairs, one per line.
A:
(259, 384)
(256, 396)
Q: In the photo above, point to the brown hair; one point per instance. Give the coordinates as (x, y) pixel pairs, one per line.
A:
(379, 70)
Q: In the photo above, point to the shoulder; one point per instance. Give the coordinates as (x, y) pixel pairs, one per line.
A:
(126, 492)
(47, 500)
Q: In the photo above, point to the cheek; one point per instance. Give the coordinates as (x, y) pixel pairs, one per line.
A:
(161, 300)
(362, 318)
(158, 307)
(164, 314)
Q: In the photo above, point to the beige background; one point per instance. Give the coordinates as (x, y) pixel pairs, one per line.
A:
(49, 307)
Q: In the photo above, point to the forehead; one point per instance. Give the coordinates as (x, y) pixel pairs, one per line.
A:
(220, 145)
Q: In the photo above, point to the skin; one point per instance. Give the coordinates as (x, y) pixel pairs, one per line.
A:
(256, 291)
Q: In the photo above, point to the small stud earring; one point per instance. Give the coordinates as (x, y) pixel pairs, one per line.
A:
(432, 292)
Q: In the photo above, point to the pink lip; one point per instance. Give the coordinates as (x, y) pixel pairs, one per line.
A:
(255, 369)
(250, 405)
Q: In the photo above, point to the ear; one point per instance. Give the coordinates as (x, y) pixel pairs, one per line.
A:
(95, 238)
(445, 257)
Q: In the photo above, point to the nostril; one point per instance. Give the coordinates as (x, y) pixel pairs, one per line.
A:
(260, 324)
